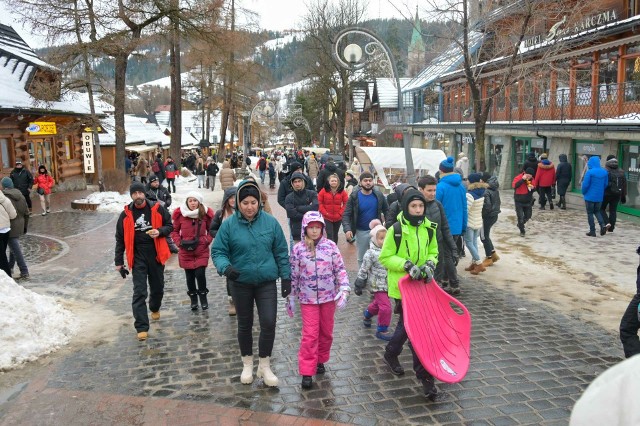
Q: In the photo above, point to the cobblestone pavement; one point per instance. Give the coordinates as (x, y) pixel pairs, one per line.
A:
(529, 363)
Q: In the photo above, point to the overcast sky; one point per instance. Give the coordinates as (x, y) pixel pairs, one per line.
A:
(274, 14)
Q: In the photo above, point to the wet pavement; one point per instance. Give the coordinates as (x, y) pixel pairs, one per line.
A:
(529, 363)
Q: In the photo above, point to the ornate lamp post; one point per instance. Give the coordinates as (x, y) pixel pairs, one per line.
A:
(376, 53)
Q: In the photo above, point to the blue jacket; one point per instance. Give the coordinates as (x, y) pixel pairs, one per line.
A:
(452, 194)
(595, 181)
(256, 249)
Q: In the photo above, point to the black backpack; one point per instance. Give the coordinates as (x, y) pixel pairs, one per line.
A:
(615, 185)
(397, 233)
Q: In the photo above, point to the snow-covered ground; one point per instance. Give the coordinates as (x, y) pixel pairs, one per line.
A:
(31, 325)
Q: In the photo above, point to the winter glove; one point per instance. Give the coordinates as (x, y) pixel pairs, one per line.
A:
(623, 200)
(414, 272)
(290, 305)
(124, 272)
(231, 273)
(427, 270)
(285, 286)
(359, 285)
(341, 298)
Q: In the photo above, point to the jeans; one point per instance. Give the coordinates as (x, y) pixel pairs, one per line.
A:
(394, 347)
(194, 275)
(629, 326)
(145, 267)
(471, 241)
(317, 336)
(212, 182)
(264, 295)
(171, 182)
(262, 174)
(487, 223)
(362, 243)
(332, 230)
(523, 213)
(593, 208)
(15, 256)
(200, 180)
(610, 201)
(545, 194)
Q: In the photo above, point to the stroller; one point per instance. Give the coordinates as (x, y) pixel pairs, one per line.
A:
(272, 175)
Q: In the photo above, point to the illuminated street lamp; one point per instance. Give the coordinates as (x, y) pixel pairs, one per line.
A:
(377, 53)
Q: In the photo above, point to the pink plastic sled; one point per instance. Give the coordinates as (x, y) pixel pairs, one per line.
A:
(440, 336)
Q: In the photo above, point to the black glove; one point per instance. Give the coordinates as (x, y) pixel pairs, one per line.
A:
(413, 271)
(124, 272)
(231, 273)
(623, 200)
(427, 270)
(359, 285)
(285, 285)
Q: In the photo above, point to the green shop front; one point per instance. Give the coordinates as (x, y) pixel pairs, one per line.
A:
(629, 160)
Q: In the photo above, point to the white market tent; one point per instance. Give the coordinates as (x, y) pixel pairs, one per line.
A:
(389, 163)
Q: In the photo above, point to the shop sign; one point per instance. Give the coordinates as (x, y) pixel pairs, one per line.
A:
(42, 128)
(589, 148)
(537, 143)
(87, 152)
(560, 30)
(468, 138)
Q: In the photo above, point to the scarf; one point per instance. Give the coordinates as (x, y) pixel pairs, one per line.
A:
(191, 214)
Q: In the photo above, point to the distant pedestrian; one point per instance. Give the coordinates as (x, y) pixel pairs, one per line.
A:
(44, 182)
(630, 322)
(531, 162)
(272, 174)
(19, 227)
(299, 202)
(490, 213)
(314, 168)
(374, 275)
(227, 176)
(171, 172)
(251, 251)
(564, 174)
(522, 197)
(451, 192)
(200, 171)
(463, 165)
(593, 186)
(332, 201)
(141, 232)
(191, 223)
(544, 181)
(226, 210)
(142, 169)
(158, 168)
(320, 282)
(616, 192)
(262, 168)
(363, 205)
(475, 203)
(212, 171)
(22, 181)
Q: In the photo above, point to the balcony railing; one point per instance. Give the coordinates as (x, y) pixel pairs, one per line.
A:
(601, 104)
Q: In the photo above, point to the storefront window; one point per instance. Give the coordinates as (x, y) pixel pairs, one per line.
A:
(500, 100)
(608, 76)
(4, 151)
(584, 150)
(495, 155)
(544, 91)
(631, 166)
(68, 148)
(528, 95)
(583, 81)
(562, 88)
(632, 81)
(513, 96)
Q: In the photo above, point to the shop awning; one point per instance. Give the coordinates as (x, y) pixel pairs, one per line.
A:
(141, 148)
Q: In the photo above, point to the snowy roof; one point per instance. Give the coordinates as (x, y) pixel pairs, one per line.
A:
(137, 130)
(13, 45)
(359, 94)
(99, 104)
(388, 92)
(449, 60)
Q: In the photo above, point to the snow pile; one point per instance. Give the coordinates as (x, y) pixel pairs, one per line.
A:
(109, 201)
(31, 325)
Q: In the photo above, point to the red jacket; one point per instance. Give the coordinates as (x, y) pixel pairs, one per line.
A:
(521, 186)
(162, 248)
(45, 182)
(184, 228)
(332, 205)
(545, 176)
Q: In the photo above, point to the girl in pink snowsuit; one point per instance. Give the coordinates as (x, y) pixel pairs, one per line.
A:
(320, 282)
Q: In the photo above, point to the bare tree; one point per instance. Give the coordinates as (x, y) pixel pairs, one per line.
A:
(503, 52)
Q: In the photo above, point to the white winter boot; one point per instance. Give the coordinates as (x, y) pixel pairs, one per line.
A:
(247, 370)
(264, 372)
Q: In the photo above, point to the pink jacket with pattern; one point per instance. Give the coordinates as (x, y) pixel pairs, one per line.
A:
(316, 280)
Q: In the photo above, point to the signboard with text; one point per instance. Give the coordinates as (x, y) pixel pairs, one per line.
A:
(42, 128)
(87, 152)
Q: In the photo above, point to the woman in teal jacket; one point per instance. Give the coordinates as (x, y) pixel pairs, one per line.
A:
(416, 255)
(251, 251)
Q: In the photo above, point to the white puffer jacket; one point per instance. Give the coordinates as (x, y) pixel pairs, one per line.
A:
(7, 211)
(474, 208)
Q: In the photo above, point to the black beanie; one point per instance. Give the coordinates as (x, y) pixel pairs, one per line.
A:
(137, 187)
(610, 156)
(410, 195)
(248, 190)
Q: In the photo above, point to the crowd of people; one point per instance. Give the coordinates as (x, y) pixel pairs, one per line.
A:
(420, 231)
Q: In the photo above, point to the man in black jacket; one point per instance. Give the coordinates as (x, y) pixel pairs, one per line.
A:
(22, 181)
(285, 186)
(329, 169)
(299, 202)
(212, 171)
(614, 193)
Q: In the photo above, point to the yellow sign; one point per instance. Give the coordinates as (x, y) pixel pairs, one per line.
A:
(42, 128)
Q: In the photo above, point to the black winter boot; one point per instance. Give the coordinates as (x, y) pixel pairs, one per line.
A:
(194, 300)
(203, 299)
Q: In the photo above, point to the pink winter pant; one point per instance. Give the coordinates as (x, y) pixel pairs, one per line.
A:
(317, 336)
(381, 306)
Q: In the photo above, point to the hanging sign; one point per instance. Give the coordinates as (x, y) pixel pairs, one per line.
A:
(87, 152)
(42, 128)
